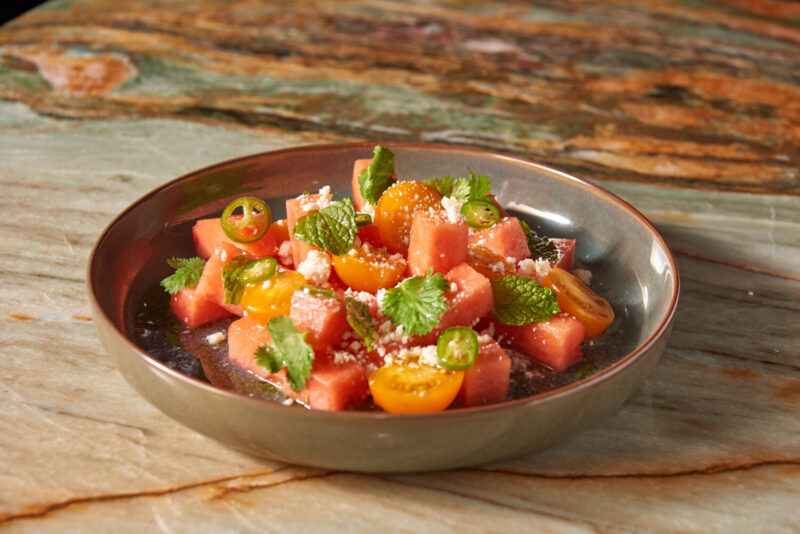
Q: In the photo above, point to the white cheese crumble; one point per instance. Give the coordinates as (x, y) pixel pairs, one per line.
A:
(285, 253)
(452, 207)
(316, 268)
(215, 338)
(537, 269)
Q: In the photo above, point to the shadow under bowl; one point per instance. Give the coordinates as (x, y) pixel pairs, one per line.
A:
(631, 265)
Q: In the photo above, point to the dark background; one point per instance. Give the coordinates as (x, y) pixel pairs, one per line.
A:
(13, 8)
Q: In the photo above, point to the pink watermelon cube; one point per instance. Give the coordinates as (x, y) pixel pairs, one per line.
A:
(194, 311)
(486, 382)
(506, 238)
(325, 318)
(210, 286)
(555, 343)
(436, 242)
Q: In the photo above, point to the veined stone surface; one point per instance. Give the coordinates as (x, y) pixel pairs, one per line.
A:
(689, 111)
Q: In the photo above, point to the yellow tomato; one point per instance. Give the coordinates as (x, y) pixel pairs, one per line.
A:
(264, 300)
(367, 268)
(414, 389)
(489, 263)
(395, 210)
(575, 297)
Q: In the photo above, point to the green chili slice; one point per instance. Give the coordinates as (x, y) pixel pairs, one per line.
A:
(246, 219)
(258, 271)
(457, 348)
(363, 219)
(480, 213)
(316, 291)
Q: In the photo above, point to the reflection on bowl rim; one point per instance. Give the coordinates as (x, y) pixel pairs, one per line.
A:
(596, 378)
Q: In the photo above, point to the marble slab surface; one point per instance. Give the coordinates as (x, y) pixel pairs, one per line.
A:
(690, 111)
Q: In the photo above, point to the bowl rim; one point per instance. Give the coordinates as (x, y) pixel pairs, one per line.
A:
(235, 396)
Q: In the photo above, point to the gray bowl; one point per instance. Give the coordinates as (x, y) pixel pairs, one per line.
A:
(629, 259)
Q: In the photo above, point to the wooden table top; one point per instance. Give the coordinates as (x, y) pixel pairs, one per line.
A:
(688, 110)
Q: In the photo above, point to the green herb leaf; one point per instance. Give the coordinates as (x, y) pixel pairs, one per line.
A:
(187, 274)
(361, 320)
(476, 187)
(417, 303)
(288, 349)
(332, 228)
(443, 186)
(542, 248)
(377, 178)
(519, 300)
(230, 278)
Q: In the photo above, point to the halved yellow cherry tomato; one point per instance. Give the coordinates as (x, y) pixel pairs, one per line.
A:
(395, 210)
(576, 298)
(264, 300)
(403, 388)
(489, 263)
(367, 268)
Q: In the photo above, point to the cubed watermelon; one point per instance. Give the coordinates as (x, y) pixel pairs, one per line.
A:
(436, 243)
(208, 235)
(358, 166)
(324, 318)
(210, 285)
(296, 208)
(331, 386)
(486, 382)
(194, 311)
(506, 238)
(566, 248)
(555, 343)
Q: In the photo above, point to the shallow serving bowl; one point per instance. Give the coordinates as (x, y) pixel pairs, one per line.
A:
(630, 262)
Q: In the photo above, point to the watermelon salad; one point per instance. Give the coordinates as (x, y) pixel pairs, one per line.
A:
(407, 296)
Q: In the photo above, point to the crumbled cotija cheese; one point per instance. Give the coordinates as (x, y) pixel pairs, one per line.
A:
(316, 268)
(452, 207)
(584, 275)
(285, 253)
(537, 269)
(216, 338)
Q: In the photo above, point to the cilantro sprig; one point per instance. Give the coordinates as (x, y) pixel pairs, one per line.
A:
(476, 187)
(377, 178)
(187, 274)
(231, 282)
(361, 320)
(542, 248)
(519, 300)
(417, 303)
(288, 349)
(332, 228)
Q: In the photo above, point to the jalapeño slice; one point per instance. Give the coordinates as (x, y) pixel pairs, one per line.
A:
(316, 291)
(363, 219)
(480, 213)
(457, 348)
(246, 219)
(258, 271)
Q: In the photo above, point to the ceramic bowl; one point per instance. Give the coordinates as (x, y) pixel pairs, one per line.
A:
(628, 258)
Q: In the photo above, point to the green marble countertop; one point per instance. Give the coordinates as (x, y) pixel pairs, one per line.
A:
(689, 110)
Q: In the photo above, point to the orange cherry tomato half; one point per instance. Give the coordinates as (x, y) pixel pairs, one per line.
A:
(489, 263)
(414, 389)
(395, 210)
(576, 298)
(264, 300)
(367, 268)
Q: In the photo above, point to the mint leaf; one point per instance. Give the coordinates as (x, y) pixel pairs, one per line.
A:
(542, 248)
(417, 303)
(288, 349)
(443, 186)
(187, 274)
(377, 178)
(230, 278)
(361, 320)
(519, 300)
(473, 188)
(332, 228)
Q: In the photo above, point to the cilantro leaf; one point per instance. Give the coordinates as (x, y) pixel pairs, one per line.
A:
(417, 303)
(332, 228)
(473, 188)
(542, 248)
(519, 300)
(288, 349)
(187, 274)
(377, 178)
(443, 186)
(230, 278)
(361, 320)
